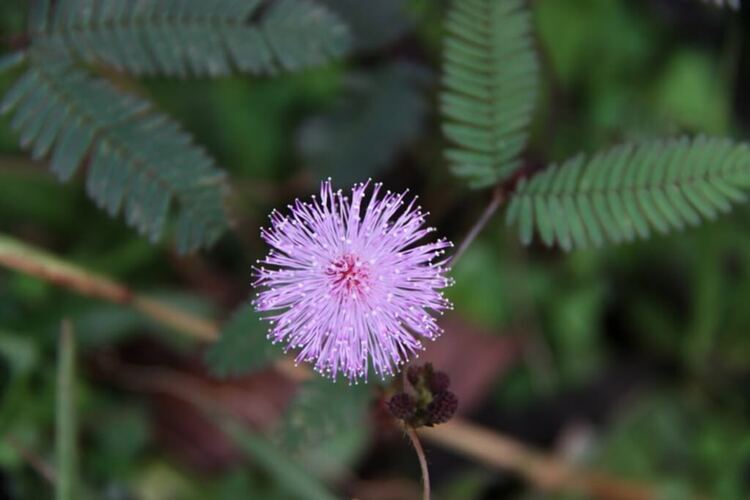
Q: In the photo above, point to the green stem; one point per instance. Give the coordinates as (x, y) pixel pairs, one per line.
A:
(65, 431)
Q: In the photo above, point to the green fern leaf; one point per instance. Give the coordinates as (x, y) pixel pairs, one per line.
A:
(199, 37)
(631, 192)
(491, 79)
(242, 347)
(139, 161)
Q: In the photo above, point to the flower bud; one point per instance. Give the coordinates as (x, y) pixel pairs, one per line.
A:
(402, 406)
(442, 408)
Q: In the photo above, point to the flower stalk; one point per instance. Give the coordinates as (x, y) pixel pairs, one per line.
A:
(414, 438)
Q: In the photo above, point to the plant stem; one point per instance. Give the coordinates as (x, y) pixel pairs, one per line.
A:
(422, 461)
(497, 199)
(42, 468)
(40, 264)
(546, 472)
(66, 428)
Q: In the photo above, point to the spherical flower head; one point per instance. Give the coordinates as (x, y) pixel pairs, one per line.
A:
(402, 406)
(442, 408)
(351, 282)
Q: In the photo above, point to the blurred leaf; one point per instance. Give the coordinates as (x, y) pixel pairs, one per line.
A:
(373, 24)
(689, 95)
(287, 474)
(120, 434)
(575, 334)
(31, 195)
(332, 458)
(225, 113)
(235, 485)
(734, 4)
(469, 484)
(381, 113)
(600, 57)
(20, 353)
(707, 309)
(243, 346)
(11, 60)
(39, 15)
(66, 486)
(18, 357)
(161, 481)
(240, 484)
(682, 446)
(610, 35)
(99, 324)
(106, 324)
(322, 409)
(479, 280)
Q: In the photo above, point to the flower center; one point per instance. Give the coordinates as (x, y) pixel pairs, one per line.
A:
(350, 276)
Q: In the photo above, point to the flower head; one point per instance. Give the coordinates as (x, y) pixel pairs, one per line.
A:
(350, 282)
(429, 402)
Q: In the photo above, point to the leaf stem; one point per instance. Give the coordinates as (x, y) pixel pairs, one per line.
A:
(65, 428)
(42, 468)
(498, 197)
(422, 461)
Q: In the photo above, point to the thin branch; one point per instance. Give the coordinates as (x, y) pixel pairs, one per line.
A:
(35, 461)
(497, 199)
(422, 461)
(545, 472)
(38, 263)
(478, 443)
(21, 257)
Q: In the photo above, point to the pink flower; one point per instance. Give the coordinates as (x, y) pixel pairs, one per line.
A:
(349, 282)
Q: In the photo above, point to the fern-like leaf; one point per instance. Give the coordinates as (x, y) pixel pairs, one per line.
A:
(140, 161)
(242, 347)
(632, 191)
(491, 79)
(200, 37)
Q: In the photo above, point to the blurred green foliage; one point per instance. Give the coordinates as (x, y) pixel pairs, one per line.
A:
(658, 329)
